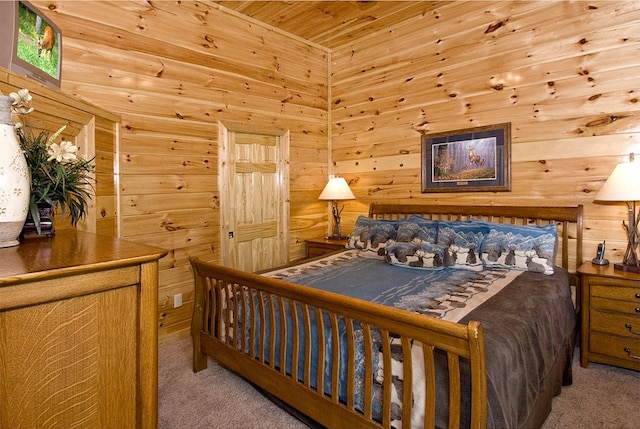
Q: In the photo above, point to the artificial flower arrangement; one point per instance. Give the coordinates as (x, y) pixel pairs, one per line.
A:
(59, 177)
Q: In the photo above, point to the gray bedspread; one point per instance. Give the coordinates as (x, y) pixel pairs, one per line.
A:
(526, 326)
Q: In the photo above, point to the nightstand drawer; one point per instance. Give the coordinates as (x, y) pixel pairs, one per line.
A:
(616, 347)
(609, 316)
(620, 292)
(322, 246)
(615, 323)
(627, 307)
(313, 251)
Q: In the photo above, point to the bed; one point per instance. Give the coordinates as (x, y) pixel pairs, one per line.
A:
(477, 358)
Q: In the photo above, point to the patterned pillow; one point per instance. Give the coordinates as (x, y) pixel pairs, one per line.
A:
(418, 230)
(415, 255)
(462, 243)
(372, 235)
(521, 247)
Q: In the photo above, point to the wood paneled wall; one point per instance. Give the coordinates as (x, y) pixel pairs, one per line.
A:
(565, 74)
(173, 71)
(92, 129)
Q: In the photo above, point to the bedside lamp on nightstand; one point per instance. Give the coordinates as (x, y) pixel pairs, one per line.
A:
(624, 185)
(336, 190)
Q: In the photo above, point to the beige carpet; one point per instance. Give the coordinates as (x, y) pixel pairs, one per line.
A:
(213, 398)
(600, 397)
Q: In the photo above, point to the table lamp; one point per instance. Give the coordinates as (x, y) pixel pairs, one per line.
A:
(336, 190)
(624, 185)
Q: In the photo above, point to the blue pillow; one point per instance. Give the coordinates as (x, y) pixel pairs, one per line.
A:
(418, 230)
(462, 242)
(521, 247)
(427, 256)
(371, 235)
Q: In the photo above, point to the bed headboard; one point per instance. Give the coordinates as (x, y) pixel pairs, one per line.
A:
(567, 219)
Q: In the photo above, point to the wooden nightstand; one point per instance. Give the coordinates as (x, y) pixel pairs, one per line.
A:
(610, 316)
(322, 246)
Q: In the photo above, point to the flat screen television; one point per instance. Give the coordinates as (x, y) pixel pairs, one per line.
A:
(31, 44)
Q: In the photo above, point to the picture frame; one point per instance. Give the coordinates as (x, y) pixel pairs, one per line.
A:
(467, 160)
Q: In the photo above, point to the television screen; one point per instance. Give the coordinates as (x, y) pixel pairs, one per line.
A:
(38, 42)
(31, 43)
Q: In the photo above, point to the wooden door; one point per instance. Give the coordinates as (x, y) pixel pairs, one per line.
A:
(254, 192)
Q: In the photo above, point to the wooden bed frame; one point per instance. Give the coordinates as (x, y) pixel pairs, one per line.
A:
(219, 288)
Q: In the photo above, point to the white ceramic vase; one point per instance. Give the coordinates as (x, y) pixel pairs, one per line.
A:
(14, 179)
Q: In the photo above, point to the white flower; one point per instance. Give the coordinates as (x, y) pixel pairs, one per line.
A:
(65, 151)
(21, 99)
(21, 110)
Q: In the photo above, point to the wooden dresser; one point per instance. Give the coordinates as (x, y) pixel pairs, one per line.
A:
(78, 333)
(610, 316)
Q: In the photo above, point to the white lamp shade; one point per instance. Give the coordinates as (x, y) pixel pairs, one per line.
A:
(337, 189)
(623, 184)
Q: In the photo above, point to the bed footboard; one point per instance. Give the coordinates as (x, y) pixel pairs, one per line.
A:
(338, 359)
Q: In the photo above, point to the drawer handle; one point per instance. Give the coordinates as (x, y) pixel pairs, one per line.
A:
(637, 309)
(638, 295)
(628, 351)
(630, 328)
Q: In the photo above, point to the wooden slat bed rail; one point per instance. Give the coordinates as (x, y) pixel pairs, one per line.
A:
(245, 341)
(223, 330)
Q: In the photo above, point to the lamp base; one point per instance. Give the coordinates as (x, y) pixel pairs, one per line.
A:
(628, 268)
(336, 237)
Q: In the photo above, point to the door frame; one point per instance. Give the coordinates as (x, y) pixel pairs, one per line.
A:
(226, 168)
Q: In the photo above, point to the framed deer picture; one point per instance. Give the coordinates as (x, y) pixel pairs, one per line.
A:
(469, 160)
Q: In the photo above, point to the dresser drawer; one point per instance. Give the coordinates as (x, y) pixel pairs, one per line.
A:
(615, 323)
(622, 293)
(626, 349)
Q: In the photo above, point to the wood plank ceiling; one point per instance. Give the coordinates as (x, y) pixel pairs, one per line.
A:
(332, 24)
